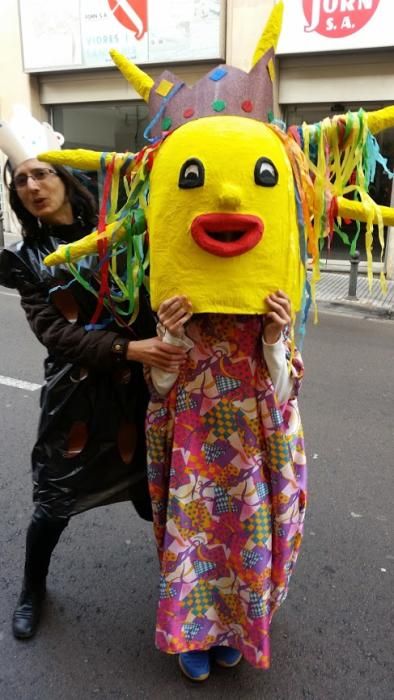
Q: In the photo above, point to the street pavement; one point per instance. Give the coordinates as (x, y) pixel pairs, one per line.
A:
(333, 637)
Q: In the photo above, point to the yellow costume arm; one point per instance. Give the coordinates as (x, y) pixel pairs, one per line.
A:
(86, 246)
(381, 119)
(377, 121)
(81, 158)
(350, 209)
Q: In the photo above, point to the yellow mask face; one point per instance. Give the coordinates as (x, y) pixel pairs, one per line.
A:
(222, 218)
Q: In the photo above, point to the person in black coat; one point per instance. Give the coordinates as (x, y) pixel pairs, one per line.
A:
(90, 448)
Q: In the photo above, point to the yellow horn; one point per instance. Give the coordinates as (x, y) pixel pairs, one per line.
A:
(140, 81)
(381, 119)
(270, 36)
(81, 158)
(85, 246)
(350, 209)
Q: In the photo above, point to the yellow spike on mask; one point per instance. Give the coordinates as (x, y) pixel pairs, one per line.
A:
(270, 36)
(85, 246)
(140, 81)
(350, 209)
(81, 158)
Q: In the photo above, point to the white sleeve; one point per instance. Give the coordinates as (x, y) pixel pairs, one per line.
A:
(164, 381)
(275, 357)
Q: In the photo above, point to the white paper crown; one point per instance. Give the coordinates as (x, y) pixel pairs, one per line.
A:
(24, 137)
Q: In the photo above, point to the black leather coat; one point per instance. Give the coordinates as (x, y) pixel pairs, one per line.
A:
(90, 447)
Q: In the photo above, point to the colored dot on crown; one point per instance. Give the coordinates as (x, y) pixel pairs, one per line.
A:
(166, 123)
(218, 105)
(247, 106)
(218, 74)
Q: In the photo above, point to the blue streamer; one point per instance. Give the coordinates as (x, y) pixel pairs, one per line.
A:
(305, 307)
(373, 156)
(159, 114)
(280, 124)
(98, 326)
(60, 287)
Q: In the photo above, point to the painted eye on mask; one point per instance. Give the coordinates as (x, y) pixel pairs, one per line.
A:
(192, 174)
(265, 173)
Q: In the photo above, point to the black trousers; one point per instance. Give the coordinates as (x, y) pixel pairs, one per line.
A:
(41, 539)
(43, 533)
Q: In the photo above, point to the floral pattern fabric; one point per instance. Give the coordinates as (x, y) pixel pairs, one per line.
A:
(227, 475)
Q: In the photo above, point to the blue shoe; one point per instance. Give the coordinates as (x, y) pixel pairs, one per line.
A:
(226, 656)
(195, 665)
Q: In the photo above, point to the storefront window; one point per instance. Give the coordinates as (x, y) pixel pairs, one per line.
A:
(98, 126)
(108, 126)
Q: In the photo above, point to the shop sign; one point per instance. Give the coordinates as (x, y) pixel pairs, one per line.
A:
(332, 25)
(77, 34)
(132, 14)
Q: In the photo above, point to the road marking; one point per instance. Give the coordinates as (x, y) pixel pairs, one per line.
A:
(9, 294)
(19, 383)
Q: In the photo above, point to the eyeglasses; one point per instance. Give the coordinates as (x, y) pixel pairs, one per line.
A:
(38, 175)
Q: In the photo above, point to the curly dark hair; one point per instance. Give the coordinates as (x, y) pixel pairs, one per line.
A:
(82, 202)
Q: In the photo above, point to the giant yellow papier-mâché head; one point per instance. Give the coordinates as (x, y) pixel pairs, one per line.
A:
(235, 206)
(222, 220)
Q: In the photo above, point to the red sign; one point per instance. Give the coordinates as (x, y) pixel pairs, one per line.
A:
(133, 14)
(338, 18)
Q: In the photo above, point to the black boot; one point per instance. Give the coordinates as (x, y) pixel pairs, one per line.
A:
(41, 539)
(28, 611)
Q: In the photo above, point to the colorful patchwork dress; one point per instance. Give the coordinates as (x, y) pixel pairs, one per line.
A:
(227, 473)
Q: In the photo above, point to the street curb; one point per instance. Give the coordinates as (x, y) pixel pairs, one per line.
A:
(358, 307)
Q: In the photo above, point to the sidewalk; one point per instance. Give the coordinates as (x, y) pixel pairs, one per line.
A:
(332, 292)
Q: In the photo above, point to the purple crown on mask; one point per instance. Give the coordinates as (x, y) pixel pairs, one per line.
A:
(224, 91)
